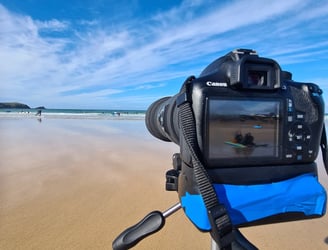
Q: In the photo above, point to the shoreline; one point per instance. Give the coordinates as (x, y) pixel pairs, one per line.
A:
(77, 184)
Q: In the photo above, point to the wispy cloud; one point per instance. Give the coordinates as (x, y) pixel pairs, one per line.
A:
(52, 25)
(150, 86)
(57, 62)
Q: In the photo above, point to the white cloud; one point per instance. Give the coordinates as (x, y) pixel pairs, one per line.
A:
(150, 86)
(52, 25)
(146, 53)
(88, 22)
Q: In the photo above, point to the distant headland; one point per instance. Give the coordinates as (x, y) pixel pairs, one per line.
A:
(13, 105)
(16, 105)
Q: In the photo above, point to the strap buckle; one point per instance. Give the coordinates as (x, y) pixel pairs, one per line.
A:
(183, 97)
(222, 228)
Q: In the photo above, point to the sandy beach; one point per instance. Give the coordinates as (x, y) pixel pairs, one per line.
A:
(76, 184)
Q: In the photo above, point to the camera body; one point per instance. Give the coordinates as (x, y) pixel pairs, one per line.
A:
(253, 123)
(253, 114)
(246, 132)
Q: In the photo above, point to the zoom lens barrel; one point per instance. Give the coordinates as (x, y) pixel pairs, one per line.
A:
(162, 119)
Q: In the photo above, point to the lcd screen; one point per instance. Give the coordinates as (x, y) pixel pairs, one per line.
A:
(243, 129)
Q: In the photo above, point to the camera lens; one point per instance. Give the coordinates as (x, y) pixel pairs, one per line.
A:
(162, 119)
(154, 119)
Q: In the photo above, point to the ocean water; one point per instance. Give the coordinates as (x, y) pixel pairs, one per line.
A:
(99, 114)
(93, 114)
(73, 114)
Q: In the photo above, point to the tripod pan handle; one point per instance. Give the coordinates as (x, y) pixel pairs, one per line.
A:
(152, 223)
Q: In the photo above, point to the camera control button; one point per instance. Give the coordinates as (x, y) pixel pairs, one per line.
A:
(307, 138)
(290, 118)
(290, 105)
(289, 156)
(299, 137)
(310, 152)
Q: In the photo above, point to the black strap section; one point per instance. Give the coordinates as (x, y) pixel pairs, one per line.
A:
(221, 225)
(189, 132)
(324, 148)
(187, 126)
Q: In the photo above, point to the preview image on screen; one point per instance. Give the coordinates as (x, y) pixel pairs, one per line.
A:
(243, 128)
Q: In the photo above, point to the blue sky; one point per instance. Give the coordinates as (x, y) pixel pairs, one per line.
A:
(126, 54)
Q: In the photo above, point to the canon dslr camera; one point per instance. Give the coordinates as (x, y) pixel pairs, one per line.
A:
(249, 136)
(253, 123)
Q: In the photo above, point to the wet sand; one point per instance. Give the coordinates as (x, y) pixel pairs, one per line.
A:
(76, 184)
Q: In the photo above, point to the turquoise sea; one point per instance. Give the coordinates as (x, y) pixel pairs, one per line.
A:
(77, 114)
(73, 114)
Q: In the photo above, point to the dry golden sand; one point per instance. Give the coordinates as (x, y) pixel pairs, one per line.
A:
(75, 184)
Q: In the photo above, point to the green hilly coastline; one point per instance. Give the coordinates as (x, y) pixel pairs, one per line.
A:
(13, 105)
